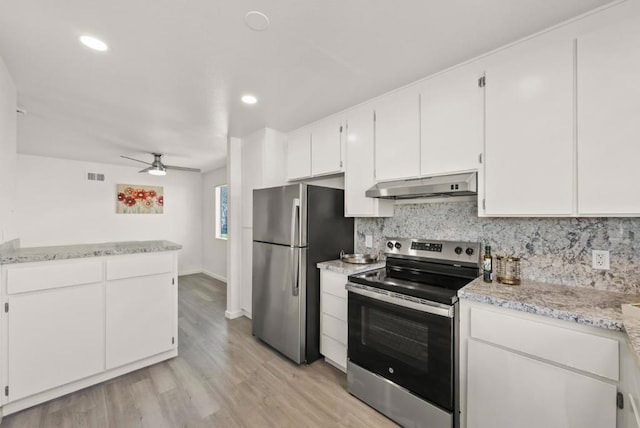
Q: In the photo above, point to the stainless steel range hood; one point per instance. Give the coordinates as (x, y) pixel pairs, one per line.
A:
(437, 186)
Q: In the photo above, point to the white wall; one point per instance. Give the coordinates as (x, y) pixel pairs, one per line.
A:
(57, 205)
(214, 251)
(8, 97)
(234, 243)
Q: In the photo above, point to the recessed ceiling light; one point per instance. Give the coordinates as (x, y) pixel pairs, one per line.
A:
(257, 21)
(94, 43)
(249, 99)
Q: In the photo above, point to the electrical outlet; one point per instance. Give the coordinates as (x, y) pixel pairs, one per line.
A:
(368, 241)
(600, 259)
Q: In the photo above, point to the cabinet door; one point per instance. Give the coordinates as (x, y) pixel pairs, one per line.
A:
(508, 390)
(529, 152)
(326, 147)
(140, 318)
(55, 337)
(299, 154)
(397, 135)
(609, 120)
(452, 121)
(359, 170)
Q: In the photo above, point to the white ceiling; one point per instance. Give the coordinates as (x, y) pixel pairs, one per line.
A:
(172, 79)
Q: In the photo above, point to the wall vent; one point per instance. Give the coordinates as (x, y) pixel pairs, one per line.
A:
(94, 176)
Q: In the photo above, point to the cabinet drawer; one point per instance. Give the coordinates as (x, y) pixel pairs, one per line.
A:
(139, 265)
(334, 306)
(333, 283)
(333, 350)
(52, 275)
(587, 352)
(335, 328)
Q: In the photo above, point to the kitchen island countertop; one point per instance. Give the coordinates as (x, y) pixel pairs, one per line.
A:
(62, 252)
(598, 308)
(349, 268)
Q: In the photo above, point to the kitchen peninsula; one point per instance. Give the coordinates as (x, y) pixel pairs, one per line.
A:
(77, 315)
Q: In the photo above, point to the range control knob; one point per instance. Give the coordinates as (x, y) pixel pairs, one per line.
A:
(398, 245)
(469, 251)
(458, 250)
(390, 245)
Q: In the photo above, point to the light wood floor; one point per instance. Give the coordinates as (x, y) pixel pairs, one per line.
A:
(223, 377)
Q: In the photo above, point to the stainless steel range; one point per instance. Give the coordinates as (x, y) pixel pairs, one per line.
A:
(402, 354)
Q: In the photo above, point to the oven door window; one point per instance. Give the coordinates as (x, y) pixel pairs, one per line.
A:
(413, 349)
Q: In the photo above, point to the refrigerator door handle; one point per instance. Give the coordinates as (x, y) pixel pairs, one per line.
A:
(295, 287)
(295, 219)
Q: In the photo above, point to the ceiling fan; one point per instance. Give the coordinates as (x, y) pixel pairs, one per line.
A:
(158, 168)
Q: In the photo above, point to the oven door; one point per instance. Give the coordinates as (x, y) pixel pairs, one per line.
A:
(408, 343)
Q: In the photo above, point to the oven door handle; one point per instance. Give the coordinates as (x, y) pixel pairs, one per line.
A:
(435, 308)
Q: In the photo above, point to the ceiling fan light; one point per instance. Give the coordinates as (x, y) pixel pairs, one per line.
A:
(157, 170)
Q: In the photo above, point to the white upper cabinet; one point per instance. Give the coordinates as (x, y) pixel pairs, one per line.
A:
(326, 147)
(529, 149)
(315, 150)
(609, 120)
(299, 154)
(452, 121)
(359, 174)
(397, 135)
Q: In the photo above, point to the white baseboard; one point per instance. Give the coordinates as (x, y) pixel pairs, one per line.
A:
(189, 272)
(246, 313)
(215, 276)
(234, 314)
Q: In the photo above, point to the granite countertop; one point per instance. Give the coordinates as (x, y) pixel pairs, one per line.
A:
(349, 268)
(586, 306)
(40, 254)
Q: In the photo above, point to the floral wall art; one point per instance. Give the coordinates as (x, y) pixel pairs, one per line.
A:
(138, 199)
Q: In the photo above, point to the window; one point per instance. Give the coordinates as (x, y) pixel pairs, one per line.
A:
(221, 212)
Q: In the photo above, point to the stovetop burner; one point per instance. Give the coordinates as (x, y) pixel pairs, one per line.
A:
(426, 269)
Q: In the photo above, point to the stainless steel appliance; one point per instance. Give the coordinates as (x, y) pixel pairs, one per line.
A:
(402, 331)
(294, 227)
(464, 184)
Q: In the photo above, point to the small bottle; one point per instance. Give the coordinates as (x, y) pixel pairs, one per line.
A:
(487, 264)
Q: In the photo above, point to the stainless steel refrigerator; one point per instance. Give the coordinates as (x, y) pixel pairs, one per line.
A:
(294, 227)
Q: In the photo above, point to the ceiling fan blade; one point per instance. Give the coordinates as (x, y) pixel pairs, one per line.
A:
(145, 170)
(182, 168)
(127, 157)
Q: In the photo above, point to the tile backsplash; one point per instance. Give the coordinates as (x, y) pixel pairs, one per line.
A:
(553, 250)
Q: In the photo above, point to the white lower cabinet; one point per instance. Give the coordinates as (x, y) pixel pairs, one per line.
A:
(55, 337)
(139, 318)
(506, 389)
(520, 370)
(70, 324)
(333, 318)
